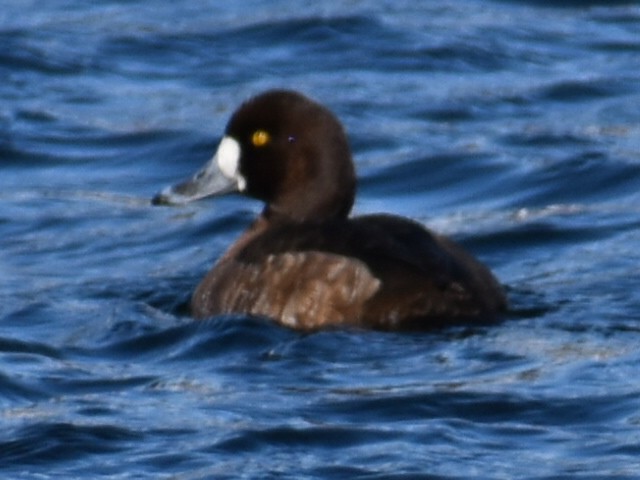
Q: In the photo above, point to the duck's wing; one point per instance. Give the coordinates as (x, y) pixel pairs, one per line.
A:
(305, 290)
(426, 279)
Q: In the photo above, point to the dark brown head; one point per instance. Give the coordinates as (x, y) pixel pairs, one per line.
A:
(284, 149)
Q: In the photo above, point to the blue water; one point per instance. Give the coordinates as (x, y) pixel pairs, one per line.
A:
(513, 126)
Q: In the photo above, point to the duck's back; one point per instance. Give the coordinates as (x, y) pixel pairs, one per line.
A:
(375, 271)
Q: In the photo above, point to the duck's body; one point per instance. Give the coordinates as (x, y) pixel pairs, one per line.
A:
(304, 262)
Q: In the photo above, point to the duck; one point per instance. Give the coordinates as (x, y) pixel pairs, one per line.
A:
(304, 262)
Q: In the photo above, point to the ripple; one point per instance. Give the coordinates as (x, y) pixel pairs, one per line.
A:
(59, 443)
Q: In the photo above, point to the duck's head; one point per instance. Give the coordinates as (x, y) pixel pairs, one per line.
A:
(284, 149)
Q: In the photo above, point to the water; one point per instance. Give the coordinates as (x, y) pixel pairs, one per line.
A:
(511, 125)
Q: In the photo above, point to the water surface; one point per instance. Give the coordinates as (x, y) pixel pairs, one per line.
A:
(512, 126)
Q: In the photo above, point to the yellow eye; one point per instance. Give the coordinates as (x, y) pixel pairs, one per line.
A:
(260, 138)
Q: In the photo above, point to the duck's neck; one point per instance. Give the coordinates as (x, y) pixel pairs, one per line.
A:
(320, 202)
(274, 215)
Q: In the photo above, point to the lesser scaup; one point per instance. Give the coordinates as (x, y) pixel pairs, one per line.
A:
(304, 262)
